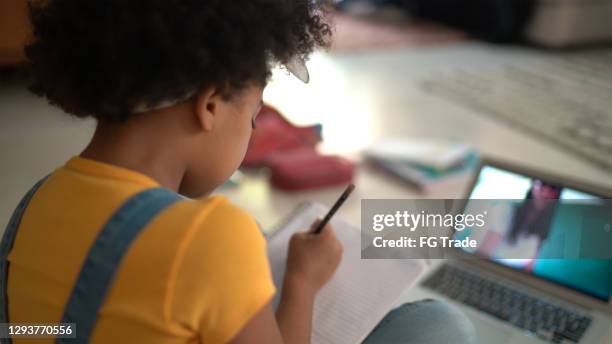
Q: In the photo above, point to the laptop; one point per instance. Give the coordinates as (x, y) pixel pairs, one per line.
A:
(538, 301)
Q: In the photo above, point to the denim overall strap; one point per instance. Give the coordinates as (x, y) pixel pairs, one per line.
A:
(102, 262)
(5, 248)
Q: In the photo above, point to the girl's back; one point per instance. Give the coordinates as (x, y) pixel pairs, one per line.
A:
(198, 270)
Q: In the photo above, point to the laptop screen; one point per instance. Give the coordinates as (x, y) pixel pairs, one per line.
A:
(588, 276)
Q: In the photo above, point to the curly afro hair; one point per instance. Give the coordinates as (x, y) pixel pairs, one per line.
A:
(102, 58)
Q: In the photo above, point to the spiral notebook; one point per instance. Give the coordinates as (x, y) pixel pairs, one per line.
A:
(360, 293)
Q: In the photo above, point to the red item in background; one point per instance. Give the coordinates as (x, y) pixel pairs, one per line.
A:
(304, 168)
(274, 133)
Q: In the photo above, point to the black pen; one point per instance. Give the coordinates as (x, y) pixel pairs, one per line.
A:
(333, 209)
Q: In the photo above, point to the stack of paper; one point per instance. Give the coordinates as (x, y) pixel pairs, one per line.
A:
(360, 293)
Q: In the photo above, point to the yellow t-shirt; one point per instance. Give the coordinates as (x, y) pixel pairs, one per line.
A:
(197, 273)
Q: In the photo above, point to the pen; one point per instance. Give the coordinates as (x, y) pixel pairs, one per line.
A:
(333, 209)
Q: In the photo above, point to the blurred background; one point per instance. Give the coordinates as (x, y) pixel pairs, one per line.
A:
(407, 95)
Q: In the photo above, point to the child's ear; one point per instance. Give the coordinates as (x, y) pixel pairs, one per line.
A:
(206, 108)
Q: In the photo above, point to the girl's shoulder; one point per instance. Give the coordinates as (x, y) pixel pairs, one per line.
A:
(216, 221)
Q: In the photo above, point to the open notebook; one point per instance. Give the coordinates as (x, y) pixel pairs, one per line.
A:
(361, 291)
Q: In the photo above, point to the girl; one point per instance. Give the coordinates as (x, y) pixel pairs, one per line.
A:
(174, 86)
(106, 242)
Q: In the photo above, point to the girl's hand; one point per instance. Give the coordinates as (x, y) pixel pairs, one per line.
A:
(313, 258)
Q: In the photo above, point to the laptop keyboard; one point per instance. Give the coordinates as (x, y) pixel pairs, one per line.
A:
(543, 318)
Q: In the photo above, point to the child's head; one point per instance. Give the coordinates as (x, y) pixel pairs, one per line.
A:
(128, 61)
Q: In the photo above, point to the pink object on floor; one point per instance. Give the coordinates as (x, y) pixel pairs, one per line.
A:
(304, 168)
(275, 133)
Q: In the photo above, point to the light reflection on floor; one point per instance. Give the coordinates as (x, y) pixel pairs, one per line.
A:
(347, 125)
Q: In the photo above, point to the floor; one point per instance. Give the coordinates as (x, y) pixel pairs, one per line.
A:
(359, 97)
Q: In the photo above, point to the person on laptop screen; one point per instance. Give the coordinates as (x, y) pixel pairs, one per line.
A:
(520, 229)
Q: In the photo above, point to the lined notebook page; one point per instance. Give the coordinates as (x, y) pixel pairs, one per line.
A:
(361, 291)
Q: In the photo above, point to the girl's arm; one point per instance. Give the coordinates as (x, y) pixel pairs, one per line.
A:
(312, 260)
(294, 314)
(262, 328)
(292, 323)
